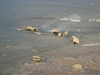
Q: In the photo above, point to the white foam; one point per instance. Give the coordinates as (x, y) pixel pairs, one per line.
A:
(91, 44)
(64, 19)
(75, 20)
(72, 18)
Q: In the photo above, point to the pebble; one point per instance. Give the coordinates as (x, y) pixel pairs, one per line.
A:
(65, 33)
(59, 34)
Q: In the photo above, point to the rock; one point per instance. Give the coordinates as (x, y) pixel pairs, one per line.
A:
(59, 34)
(34, 29)
(55, 31)
(75, 40)
(77, 67)
(18, 29)
(37, 58)
(97, 20)
(30, 28)
(65, 33)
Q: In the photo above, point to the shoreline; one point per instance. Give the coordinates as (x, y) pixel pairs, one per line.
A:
(61, 62)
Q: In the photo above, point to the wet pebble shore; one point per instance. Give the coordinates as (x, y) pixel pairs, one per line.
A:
(62, 66)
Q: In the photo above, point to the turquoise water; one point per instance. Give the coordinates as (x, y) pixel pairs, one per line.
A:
(16, 46)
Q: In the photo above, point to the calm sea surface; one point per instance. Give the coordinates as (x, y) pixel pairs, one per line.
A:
(16, 46)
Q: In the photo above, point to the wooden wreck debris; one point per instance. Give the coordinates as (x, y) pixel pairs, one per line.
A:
(75, 40)
(37, 58)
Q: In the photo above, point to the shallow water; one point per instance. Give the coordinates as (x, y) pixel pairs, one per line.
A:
(16, 46)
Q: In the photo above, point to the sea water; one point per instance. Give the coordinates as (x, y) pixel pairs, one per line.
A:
(75, 16)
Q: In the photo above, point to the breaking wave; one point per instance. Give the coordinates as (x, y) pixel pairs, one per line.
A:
(60, 27)
(73, 18)
(96, 44)
(64, 25)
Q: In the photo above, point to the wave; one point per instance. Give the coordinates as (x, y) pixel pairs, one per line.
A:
(72, 18)
(96, 44)
(61, 25)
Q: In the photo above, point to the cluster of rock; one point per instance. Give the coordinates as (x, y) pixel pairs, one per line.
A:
(29, 28)
(56, 32)
(75, 40)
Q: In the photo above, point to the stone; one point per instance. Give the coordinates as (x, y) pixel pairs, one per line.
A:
(77, 67)
(18, 29)
(37, 58)
(30, 28)
(59, 34)
(55, 31)
(34, 29)
(97, 20)
(75, 40)
(65, 33)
